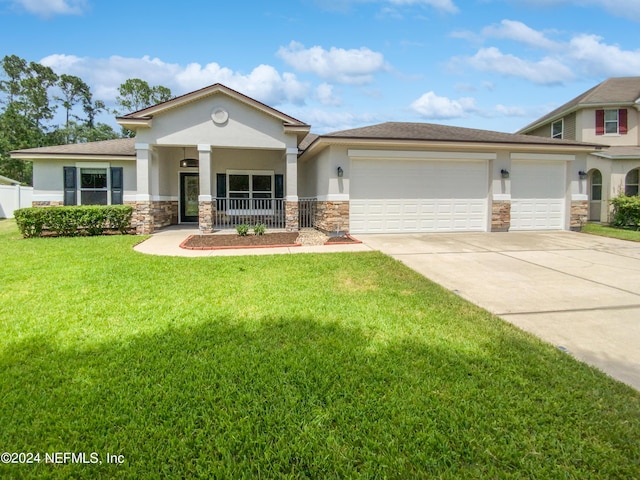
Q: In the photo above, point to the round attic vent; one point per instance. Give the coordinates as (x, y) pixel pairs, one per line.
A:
(219, 116)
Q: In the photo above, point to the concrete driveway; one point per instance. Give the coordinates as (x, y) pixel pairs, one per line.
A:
(578, 291)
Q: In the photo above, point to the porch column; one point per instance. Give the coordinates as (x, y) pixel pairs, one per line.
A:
(206, 202)
(143, 216)
(291, 222)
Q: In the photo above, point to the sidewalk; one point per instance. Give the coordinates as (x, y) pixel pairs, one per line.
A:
(167, 242)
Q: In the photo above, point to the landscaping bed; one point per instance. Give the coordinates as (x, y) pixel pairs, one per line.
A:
(342, 239)
(212, 242)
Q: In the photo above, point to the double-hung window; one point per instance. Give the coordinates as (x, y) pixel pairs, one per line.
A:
(250, 190)
(93, 184)
(557, 129)
(611, 122)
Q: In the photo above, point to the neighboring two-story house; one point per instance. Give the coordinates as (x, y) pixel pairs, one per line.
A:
(608, 114)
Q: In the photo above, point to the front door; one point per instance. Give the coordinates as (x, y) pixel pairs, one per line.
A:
(189, 191)
(595, 195)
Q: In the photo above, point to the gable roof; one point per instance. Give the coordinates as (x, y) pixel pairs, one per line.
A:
(146, 114)
(406, 132)
(120, 147)
(612, 92)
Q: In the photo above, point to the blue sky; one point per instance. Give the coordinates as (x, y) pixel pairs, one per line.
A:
(491, 64)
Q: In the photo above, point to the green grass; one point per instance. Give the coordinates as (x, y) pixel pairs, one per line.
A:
(613, 232)
(291, 366)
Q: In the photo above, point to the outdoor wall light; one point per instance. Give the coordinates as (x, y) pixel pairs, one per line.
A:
(340, 172)
(582, 174)
(505, 173)
(188, 162)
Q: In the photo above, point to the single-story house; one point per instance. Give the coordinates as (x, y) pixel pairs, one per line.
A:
(216, 157)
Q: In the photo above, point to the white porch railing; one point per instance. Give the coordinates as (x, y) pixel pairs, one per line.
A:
(249, 211)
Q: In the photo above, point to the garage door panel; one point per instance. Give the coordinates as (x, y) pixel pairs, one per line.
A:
(537, 195)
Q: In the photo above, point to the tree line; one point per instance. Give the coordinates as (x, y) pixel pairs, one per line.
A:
(30, 96)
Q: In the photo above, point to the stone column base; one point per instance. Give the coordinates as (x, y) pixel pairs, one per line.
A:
(579, 214)
(142, 218)
(291, 216)
(206, 215)
(333, 216)
(500, 216)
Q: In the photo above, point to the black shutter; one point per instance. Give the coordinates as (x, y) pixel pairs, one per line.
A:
(279, 187)
(70, 186)
(221, 191)
(116, 186)
(221, 185)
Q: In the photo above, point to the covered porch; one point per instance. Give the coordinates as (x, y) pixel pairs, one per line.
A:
(215, 188)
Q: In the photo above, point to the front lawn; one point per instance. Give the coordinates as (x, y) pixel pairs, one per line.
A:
(613, 232)
(292, 366)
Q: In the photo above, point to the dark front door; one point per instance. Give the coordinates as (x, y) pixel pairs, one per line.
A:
(189, 191)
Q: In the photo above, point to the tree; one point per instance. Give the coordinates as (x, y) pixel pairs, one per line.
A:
(136, 94)
(74, 91)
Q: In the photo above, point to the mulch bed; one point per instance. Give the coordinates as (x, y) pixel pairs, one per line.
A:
(214, 242)
(344, 239)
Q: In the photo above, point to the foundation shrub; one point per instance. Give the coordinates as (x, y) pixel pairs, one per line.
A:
(626, 211)
(73, 221)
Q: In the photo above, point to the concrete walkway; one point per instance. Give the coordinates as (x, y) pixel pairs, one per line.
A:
(578, 291)
(167, 242)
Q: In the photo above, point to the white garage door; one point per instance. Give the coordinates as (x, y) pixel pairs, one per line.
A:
(537, 195)
(395, 196)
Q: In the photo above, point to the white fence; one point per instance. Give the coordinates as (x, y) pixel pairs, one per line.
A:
(13, 197)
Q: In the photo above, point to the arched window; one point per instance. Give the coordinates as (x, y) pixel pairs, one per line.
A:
(631, 182)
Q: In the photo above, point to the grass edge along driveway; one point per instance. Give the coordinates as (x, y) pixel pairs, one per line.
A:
(305, 366)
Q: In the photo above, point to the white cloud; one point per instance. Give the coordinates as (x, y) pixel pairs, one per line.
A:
(518, 31)
(510, 110)
(628, 9)
(596, 58)
(48, 8)
(354, 66)
(547, 71)
(432, 106)
(326, 96)
(446, 6)
(582, 55)
(105, 75)
(329, 121)
(443, 5)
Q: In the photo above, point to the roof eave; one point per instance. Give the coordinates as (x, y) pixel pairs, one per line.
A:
(133, 123)
(323, 141)
(66, 156)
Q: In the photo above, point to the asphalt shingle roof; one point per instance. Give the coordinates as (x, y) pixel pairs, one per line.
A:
(444, 133)
(612, 91)
(117, 147)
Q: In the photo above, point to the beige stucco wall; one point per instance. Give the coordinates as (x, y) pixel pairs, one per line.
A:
(48, 177)
(191, 124)
(321, 174)
(586, 121)
(223, 159)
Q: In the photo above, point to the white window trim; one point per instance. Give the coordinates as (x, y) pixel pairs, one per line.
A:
(561, 129)
(79, 166)
(637, 185)
(617, 132)
(271, 173)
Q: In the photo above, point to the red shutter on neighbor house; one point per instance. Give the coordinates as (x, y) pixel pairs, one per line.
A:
(622, 121)
(599, 122)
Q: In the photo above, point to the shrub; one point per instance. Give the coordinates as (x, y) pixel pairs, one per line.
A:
(242, 230)
(72, 221)
(260, 229)
(626, 211)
